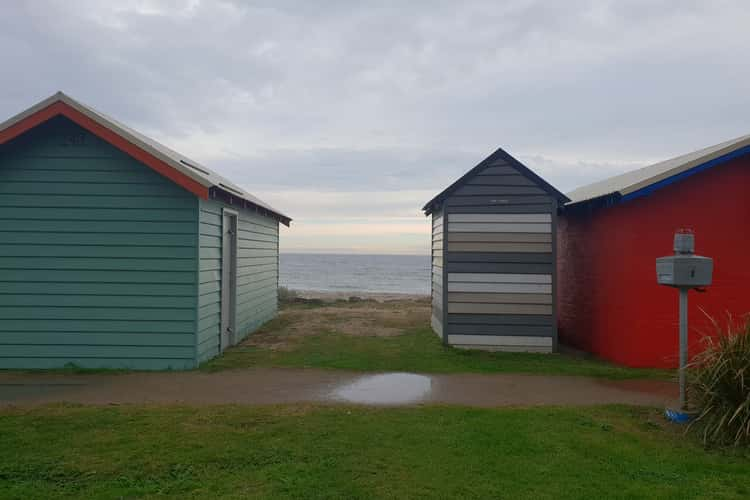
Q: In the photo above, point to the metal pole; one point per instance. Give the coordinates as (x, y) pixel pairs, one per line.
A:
(683, 345)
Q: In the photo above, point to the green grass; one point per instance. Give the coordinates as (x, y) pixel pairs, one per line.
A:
(417, 350)
(354, 452)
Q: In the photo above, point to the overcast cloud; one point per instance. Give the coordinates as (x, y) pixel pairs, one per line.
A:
(350, 115)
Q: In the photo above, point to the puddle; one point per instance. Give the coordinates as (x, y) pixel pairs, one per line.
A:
(385, 389)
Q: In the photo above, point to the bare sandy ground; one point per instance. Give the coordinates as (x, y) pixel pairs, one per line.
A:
(365, 318)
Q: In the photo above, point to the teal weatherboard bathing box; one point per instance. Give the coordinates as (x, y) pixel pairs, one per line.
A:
(117, 252)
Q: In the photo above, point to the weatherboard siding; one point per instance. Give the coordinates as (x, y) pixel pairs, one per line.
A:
(257, 274)
(97, 256)
(438, 295)
(499, 262)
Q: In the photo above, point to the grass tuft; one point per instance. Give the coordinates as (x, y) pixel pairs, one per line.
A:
(720, 385)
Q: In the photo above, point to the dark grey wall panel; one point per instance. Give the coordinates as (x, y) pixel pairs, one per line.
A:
(500, 180)
(457, 201)
(500, 267)
(498, 190)
(505, 169)
(503, 209)
(501, 319)
(509, 257)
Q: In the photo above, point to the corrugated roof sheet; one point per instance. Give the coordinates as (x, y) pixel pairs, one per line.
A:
(636, 180)
(192, 169)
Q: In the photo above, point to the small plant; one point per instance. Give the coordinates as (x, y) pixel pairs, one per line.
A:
(720, 384)
(287, 296)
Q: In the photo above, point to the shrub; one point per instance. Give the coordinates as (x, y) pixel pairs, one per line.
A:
(286, 295)
(720, 384)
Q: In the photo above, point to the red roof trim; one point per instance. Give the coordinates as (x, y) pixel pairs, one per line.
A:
(61, 108)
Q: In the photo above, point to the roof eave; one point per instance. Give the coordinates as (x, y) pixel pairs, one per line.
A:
(499, 152)
(62, 104)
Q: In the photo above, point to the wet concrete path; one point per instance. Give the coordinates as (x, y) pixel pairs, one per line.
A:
(279, 386)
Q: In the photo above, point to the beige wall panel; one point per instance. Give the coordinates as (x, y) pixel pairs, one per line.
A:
(500, 227)
(499, 287)
(505, 348)
(501, 298)
(500, 237)
(464, 308)
(498, 340)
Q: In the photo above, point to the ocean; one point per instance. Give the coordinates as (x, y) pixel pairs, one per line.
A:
(355, 273)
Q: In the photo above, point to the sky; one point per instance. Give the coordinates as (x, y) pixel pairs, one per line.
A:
(349, 115)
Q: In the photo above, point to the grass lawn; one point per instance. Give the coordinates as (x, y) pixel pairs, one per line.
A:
(353, 452)
(390, 337)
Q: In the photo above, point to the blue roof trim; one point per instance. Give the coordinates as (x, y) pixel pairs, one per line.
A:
(683, 175)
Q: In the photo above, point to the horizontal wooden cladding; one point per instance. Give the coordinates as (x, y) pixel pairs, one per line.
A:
(500, 342)
(96, 351)
(466, 308)
(437, 221)
(98, 239)
(100, 326)
(478, 267)
(96, 276)
(95, 201)
(104, 264)
(500, 180)
(499, 287)
(501, 168)
(97, 313)
(501, 298)
(500, 247)
(506, 330)
(500, 319)
(498, 278)
(437, 327)
(88, 227)
(84, 300)
(507, 199)
(536, 208)
(96, 338)
(500, 257)
(499, 227)
(500, 218)
(131, 363)
(498, 190)
(97, 251)
(499, 237)
(161, 215)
